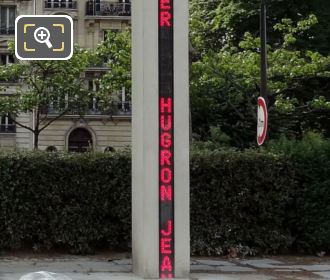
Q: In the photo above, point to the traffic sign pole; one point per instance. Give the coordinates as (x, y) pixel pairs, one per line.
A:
(263, 99)
(263, 32)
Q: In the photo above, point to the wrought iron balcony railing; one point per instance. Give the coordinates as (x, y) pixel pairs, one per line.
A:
(60, 4)
(105, 8)
(117, 109)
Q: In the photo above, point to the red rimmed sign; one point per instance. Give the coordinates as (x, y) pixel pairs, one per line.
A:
(262, 121)
(166, 139)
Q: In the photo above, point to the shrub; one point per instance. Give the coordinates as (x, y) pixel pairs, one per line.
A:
(311, 157)
(272, 200)
(240, 198)
(75, 201)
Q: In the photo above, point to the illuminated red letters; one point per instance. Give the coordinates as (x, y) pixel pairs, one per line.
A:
(166, 140)
(169, 230)
(165, 157)
(165, 193)
(166, 124)
(165, 245)
(165, 13)
(166, 183)
(165, 175)
(165, 5)
(166, 105)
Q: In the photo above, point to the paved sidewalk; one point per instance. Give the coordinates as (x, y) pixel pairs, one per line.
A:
(103, 268)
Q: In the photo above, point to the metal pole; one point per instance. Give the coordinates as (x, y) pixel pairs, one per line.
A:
(263, 35)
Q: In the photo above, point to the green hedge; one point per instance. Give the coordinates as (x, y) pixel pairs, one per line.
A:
(311, 218)
(254, 200)
(53, 200)
(240, 198)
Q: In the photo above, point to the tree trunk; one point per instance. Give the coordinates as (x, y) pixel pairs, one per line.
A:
(36, 140)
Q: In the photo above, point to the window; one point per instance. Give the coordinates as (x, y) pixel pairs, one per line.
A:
(126, 7)
(109, 149)
(93, 7)
(6, 59)
(80, 140)
(51, 149)
(7, 125)
(65, 4)
(93, 86)
(7, 20)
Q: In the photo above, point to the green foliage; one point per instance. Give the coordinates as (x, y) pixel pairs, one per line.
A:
(115, 51)
(62, 84)
(42, 83)
(311, 157)
(46, 82)
(272, 200)
(64, 200)
(225, 86)
(223, 23)
(240, 198)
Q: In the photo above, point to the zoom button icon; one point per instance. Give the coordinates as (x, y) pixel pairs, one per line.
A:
(44, 37)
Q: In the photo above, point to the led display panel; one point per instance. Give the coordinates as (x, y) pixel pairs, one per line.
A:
(166, 139)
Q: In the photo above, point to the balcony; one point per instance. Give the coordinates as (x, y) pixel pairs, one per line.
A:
(60, 4)
(118, 109)
(105, 8)
(7, 31)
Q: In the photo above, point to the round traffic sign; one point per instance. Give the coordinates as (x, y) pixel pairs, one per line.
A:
(262, 121)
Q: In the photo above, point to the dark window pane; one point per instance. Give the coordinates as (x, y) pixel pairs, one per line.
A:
(11, 59)
(3, 59)
(3, 20)
(12, 13)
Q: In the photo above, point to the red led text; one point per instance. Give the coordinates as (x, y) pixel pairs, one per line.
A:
(166, 139)
(165, 15)
(166, 183)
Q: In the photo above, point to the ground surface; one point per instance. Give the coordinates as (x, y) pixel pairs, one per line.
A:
(119, 267)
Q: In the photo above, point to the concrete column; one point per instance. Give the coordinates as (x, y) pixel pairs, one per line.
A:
(145, 139)
(181, 139)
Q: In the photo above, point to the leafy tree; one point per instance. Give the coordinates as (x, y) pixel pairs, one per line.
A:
(61, 84)
(115, 52)
(219, 23)
(58, 84)
(225, 87)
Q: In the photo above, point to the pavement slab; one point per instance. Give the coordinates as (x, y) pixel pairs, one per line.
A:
(314, 267)
(324, 274)
(105, 268)
(204, 267)
(263, 263)
(231, 277)
(236, 268)
(213, 262)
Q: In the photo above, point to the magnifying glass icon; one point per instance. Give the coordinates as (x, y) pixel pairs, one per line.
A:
(42, 35)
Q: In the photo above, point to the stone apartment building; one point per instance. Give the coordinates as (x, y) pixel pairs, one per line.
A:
(92, 20)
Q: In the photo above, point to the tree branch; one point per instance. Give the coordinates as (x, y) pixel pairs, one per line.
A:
(21, 125)
(53, 120)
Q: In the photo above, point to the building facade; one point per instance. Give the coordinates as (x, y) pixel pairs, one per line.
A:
(97, 131)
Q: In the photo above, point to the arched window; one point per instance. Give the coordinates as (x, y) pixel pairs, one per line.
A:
(80, 141)
(109, 149)
(51, 149)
